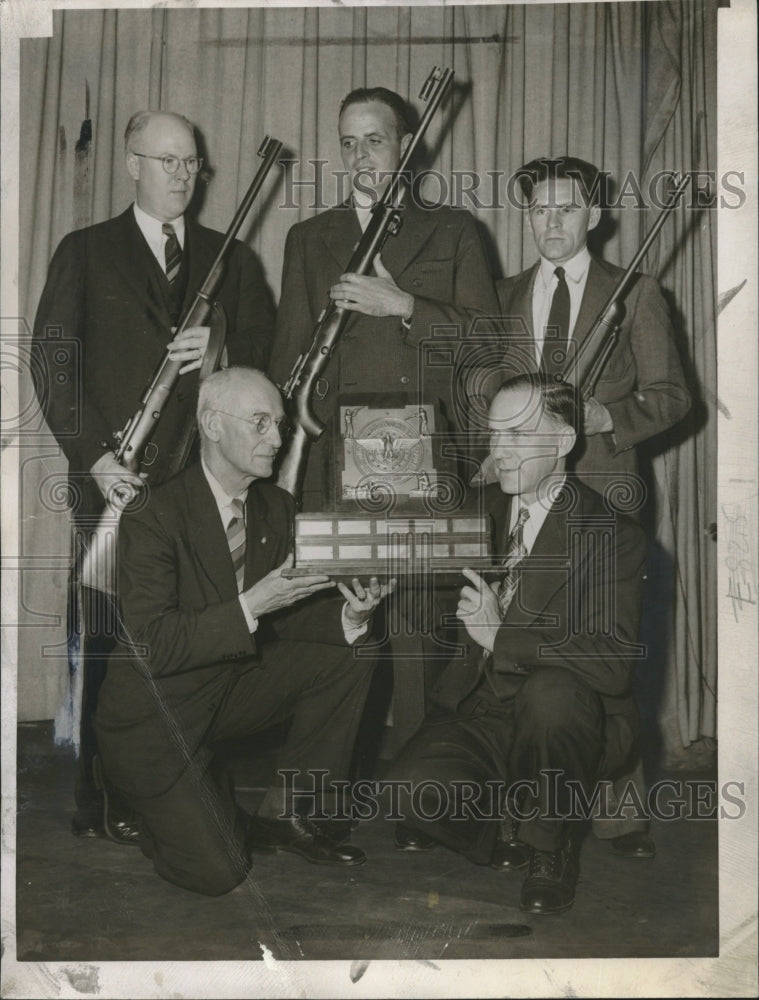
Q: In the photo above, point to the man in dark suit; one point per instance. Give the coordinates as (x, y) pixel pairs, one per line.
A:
(432, 273)
(541, 700)
(113, 294)
(641, 391)
(212, 654)
(548, 311)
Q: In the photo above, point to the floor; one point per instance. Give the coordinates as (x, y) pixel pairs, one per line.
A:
(91, 900)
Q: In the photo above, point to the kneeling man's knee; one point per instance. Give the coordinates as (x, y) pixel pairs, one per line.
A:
(554, 697)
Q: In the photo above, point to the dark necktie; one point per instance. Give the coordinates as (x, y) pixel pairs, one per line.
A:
(557, 330)
(515, 553)
(236, 540)
(172, 253)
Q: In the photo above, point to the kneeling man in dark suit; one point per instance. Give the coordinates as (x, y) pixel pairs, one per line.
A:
(216, 652)
(539, 707)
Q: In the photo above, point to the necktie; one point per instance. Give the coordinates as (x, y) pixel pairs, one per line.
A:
(236, 540)
(515, 553)
(172, 253)
(557, 330)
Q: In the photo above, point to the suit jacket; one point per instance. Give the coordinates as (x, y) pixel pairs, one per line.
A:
(185, 636)
(437, 257)
(577, 606)
(106, 303)
(642, 385)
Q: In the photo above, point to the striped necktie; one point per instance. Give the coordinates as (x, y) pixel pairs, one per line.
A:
(555, 347)
(172, 253)
(515, 553)
(236, 540)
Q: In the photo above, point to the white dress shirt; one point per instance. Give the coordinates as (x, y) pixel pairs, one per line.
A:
(576, 274)
(538, 510)
(152, 230)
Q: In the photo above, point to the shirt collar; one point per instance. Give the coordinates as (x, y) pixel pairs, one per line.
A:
(220, 495)
(152, 228)
(540, 507)
(575, 268)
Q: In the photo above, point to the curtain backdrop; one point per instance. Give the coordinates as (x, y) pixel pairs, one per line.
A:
(630, 86)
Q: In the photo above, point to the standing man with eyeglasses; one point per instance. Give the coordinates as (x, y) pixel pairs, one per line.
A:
(114, 293)
(219, 644)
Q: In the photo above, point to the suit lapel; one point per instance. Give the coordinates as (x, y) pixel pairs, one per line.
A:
(520, 306)
(597, 290)
(417, 227)
(200, 258)
(133, 259)
(540, 575)
(207, 535)
(341, 230)
(260, 539)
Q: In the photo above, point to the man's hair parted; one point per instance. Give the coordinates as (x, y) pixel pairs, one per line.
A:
(589, 179)
(561, 400)
(394, 101)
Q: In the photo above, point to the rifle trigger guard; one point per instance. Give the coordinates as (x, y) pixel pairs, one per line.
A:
(321, 388)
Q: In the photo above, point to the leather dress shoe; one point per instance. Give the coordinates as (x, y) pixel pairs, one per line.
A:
(299, 836)
(510, 854)
(551, 880)
(634, 845)
(119, 821)
(336, 830)
(409, 839)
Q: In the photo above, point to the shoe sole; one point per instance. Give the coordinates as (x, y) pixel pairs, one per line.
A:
(313, 861)
(542, 912)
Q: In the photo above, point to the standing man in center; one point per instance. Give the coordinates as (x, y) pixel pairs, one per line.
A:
(433, 272)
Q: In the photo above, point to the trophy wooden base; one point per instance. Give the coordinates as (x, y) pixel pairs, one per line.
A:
(347, 545)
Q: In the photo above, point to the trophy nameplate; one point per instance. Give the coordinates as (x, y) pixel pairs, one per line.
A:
(348, 545)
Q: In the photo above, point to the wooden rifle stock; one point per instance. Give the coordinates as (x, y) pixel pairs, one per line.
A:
(301, 385)
(585, 369)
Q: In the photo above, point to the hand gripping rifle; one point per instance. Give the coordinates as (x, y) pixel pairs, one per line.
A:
(585, 369)
(98, 567)
(385, 220)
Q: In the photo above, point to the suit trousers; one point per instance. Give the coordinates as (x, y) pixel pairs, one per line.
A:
(194, 832)
(549, 732)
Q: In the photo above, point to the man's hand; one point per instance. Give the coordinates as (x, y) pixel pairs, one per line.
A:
(596, 419)
(479, 610)
(118, 485)
(360, 603)
(275, 591)
(373, 296)
(190, 346)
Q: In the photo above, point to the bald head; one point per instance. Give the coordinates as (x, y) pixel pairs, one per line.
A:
(240, 412)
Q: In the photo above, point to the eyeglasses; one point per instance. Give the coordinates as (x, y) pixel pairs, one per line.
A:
(262, 422)
(171, 163)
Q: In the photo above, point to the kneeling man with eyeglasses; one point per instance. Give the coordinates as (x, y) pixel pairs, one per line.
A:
(538, 708)
(217, 650)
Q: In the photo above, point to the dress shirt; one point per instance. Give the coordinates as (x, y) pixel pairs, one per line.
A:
(155, 238)
(538, 513)
(226, 513)
(576, 274)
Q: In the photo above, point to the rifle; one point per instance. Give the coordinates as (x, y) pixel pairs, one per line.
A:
(585, 368)
(385, 220)
(98, 566)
